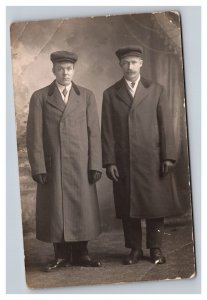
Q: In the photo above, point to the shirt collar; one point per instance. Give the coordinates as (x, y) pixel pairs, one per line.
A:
(62, 87)
(136, 81)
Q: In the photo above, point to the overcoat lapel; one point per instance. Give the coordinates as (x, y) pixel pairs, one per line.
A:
(74, 100)
(54, 98)
(140, 94)
(123, 93)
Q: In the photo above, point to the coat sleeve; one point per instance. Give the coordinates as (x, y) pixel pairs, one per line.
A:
(107, 134)
(35, 136)
(94, 135)
(165, 121)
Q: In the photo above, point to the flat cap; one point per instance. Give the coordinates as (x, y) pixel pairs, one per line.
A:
(61, 56)
(132, 50)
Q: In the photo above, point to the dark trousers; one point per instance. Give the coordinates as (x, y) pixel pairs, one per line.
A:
(70, 249)
(133, 232)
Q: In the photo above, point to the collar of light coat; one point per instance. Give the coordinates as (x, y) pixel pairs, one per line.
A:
(53, 85)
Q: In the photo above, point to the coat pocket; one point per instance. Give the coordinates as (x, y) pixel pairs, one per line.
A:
(122, 161)
(48, 163)
(155, 137)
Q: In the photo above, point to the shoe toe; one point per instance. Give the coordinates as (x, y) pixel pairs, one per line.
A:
(133, 257)
(87, 261)
(159, 260)
(96, 263)
(157, 257)
(55, 265)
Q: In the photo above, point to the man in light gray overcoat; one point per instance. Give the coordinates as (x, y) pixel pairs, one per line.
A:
(139, 154)
(64, 150)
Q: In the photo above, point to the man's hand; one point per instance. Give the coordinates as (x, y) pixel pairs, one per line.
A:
(94, 176)
(112, 172)
(167, 166)
(40, 178)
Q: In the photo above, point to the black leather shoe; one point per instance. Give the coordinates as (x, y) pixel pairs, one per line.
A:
(157, 256)
(133, 257)
(86, 261)
(56, 264)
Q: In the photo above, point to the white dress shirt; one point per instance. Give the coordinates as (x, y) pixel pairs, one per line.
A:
(61, 88)
(132, 90)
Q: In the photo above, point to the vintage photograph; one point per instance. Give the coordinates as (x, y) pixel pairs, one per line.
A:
(102, 138)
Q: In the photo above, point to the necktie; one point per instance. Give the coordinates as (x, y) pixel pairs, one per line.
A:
(132, 84)
(64, 94)
(131, 88)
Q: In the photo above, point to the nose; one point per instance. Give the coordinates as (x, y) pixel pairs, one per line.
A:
(129, 66)
(65, 71)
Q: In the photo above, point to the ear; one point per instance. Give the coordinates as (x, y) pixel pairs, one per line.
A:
(141, 63)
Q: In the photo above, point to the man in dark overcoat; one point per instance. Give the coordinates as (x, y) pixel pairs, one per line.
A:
(64, 151)
(139, 154)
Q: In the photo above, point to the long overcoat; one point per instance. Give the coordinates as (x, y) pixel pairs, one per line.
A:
(137, 135)
(64, 142)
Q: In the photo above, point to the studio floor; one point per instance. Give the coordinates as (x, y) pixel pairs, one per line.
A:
(178, 248)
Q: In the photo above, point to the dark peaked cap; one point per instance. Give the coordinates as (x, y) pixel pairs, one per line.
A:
(61, 56)
(132, 50)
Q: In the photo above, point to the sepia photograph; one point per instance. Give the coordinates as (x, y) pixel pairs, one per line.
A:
(103, 149)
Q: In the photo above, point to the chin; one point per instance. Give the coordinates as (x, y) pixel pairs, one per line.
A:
(66, 82)
(130, 78)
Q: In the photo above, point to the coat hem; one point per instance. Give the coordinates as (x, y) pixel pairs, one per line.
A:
(69, 240)
(150, 217)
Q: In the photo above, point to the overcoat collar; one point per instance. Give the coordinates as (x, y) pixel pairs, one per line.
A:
(55, 99)
(141, 92)
(123, 93)
(74, 100)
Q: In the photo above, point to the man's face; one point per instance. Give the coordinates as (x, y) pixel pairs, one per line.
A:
(131, 66)
(63, 72)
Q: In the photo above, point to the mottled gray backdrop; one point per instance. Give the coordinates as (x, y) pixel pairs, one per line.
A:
(95, 40)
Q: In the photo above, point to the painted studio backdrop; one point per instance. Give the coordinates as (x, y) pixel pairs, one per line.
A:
(95, 40)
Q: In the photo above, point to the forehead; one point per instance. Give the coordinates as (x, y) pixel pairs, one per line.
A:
(65, 64)
(131, 58)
